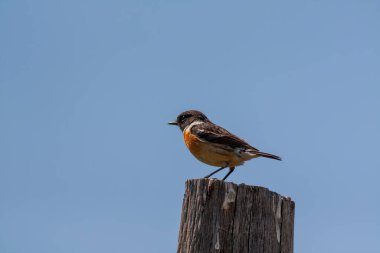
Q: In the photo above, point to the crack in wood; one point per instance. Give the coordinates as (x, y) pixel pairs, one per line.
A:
(234, 218)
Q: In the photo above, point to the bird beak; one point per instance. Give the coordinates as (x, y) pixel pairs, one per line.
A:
(173, 123)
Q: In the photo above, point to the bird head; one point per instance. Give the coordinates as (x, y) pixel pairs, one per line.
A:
(186, 118)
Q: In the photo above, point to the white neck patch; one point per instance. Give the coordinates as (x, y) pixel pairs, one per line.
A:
(188, 128)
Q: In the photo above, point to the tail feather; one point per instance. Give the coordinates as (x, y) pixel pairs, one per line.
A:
(267, 155)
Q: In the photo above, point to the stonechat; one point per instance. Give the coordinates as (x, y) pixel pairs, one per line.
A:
(214, 145)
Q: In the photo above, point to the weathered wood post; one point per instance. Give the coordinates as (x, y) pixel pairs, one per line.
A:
(219, 216)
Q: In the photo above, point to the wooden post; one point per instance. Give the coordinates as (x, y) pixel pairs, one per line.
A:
(218, 216)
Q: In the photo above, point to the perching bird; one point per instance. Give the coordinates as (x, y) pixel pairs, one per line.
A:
(214, 145)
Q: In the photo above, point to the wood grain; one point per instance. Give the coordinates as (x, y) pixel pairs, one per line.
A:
(220, 216)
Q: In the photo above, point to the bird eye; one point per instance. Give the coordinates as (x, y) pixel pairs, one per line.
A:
(185, 116)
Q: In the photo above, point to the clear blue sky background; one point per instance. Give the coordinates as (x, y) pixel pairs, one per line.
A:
(88, 163)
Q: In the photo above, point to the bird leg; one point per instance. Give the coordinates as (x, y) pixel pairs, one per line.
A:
(231, 170)
(215, 172)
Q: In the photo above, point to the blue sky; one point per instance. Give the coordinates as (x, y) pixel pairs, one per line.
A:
(88, 163)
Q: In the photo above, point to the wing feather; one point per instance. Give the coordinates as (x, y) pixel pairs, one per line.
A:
(218, 135)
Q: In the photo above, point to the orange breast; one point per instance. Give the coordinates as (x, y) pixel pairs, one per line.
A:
(192, 143)
(211, 154)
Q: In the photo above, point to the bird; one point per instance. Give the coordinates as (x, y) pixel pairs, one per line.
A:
(214, 145)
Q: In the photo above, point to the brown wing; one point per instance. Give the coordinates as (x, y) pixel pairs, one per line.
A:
(216, 134)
